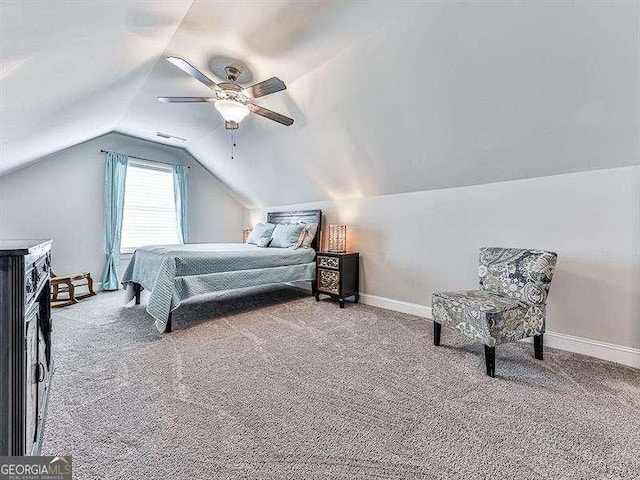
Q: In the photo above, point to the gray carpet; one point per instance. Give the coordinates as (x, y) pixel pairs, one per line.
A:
(271, 384)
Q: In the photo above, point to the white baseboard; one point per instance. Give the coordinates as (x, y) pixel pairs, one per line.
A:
(584, 346)
(396, 305)
(593, 348)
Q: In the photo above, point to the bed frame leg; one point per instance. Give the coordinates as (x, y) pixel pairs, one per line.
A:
(136, 291)
(167, 327)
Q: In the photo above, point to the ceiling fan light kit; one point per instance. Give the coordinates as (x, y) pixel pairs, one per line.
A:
(231, 110)
(231, 100)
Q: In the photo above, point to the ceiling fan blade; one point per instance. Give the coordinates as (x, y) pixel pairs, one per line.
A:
(270, 114)
(193, 71)
(261, 89)
(186, 99)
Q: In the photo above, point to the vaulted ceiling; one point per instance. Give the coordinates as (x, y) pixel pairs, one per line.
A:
(387, 97)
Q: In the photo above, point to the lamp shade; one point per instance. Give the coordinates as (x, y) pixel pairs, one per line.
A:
(337, 238)
(231, 111)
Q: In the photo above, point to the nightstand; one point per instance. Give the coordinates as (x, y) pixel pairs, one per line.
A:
(338, 275)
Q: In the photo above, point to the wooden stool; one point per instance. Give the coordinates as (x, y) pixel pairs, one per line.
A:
(66, 285)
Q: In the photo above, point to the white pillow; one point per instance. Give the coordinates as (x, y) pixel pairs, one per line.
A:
(264, 242)
(259, 231)
(306, 236)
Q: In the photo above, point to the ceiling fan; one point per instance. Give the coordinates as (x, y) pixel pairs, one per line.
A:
(231, 100)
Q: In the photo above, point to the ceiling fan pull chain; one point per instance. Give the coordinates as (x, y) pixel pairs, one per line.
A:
(233, 143)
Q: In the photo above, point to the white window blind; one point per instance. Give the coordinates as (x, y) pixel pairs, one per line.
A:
(149, 208)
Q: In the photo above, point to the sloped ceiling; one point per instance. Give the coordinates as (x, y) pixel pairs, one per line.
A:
(69, 70)
(387, 97)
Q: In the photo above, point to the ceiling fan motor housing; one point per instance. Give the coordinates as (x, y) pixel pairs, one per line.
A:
(232, 73)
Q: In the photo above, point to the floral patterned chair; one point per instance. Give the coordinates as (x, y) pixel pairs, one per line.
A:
(509, 306)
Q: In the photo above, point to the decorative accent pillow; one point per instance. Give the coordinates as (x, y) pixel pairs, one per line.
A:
(259, 231)
(285, 236)
(264, 242)
(306, 236)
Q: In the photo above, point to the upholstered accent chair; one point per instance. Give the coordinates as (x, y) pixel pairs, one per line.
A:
(510, 304)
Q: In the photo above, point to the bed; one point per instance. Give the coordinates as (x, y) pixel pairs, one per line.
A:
(173, 273)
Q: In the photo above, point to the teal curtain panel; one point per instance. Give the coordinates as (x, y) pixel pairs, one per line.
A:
(115, 173)
(181, 194)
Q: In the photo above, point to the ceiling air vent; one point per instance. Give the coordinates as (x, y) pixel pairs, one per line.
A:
(166, 135)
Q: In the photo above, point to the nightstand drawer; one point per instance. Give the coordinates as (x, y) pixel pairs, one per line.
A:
(329, 262)
(329, 281)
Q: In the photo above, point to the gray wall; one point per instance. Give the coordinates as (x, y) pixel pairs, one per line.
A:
(61, 197)
(416, 243)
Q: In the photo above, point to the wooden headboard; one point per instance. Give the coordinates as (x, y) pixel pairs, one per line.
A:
(302, 216)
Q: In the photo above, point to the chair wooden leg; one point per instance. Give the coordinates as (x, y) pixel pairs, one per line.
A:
(437, 330)
(55, 292)
(72, 292)
(90, 285)
(538, 347)
(490, 360)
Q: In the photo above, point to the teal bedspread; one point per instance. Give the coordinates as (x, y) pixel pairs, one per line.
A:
(173, 273)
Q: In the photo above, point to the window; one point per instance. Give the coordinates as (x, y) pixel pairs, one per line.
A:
(149, 216)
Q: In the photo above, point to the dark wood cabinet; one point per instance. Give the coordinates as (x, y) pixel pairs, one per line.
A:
(337, 275)
(25, 344)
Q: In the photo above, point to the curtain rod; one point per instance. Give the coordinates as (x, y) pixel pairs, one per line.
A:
(145, 159)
